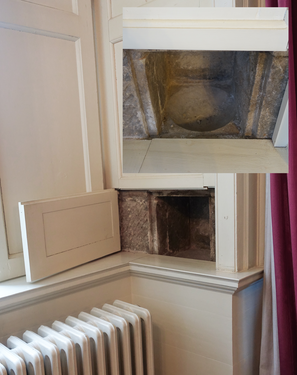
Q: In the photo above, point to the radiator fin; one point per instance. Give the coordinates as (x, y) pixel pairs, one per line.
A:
(113, 340)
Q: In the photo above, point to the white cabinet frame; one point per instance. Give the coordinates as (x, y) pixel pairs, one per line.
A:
(240, 211)
(240, 221)
(235, 29)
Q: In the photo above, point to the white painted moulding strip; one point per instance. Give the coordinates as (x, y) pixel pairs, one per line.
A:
(213, 282)
(207, 13)
(256, 29)
(204, 24)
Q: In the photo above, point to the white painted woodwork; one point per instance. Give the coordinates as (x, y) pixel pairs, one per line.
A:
(193, 272)
(240, 221)
(203, 319)
(109, 37)
(235, 29)
(212, 29)
(203, 156)
(108, 25)
(247, 306)
(59, 234)
(60, 305)
(198, 329)
(49, 133)
(226, 224)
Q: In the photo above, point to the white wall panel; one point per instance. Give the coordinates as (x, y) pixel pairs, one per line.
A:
(45, 311)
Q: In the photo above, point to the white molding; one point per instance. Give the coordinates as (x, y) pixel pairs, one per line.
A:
(18, 292)
(240, 221)
(199, 280)
(200, 274)
(261, 223)
(226, 224)
(238, 29)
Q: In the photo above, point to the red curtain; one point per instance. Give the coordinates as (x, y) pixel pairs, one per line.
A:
(284, 220)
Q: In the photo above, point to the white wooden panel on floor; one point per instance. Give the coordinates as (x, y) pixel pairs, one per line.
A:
(213, 156)
(62, 233)
(49, 134)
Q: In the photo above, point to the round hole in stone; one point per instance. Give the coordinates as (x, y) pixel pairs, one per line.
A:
(201, 107)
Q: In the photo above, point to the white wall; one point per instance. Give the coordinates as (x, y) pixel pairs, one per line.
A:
(16, 321)
(200, 331)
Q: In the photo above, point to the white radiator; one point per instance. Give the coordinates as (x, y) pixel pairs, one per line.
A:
(114, 340)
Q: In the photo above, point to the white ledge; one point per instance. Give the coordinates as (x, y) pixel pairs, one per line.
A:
(194, 272)
(234, 29)
(201, 274)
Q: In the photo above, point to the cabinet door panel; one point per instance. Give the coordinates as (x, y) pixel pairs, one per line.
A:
(66, 5)
(59, 234)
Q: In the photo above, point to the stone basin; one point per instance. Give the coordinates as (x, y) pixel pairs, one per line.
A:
(201, 107)
(202, 94)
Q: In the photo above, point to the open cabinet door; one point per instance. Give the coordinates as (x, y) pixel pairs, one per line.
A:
(59, 234)
(49, 119)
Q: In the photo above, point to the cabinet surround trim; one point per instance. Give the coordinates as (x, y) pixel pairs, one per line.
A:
(17, 293)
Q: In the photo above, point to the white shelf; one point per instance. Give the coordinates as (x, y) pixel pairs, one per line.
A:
(18, 292)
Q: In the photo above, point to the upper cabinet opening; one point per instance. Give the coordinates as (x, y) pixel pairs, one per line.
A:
(202, 94)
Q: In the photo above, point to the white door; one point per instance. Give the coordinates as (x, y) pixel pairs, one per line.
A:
(49, 119)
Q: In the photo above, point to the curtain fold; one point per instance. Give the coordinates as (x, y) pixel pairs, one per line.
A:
(284, 221)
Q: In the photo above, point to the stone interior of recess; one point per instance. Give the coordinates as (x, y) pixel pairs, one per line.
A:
(202, 94)
(174, 223)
